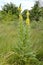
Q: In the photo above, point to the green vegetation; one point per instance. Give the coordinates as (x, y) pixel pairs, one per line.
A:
(20, 44)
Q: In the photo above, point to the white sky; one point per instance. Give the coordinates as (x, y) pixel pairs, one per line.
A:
(26, 4)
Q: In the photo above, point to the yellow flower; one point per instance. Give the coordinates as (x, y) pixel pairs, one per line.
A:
(27, 13)
(28, 21)
(20, 9)
(20, 17)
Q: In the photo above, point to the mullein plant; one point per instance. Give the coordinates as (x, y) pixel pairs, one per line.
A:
(23, 54)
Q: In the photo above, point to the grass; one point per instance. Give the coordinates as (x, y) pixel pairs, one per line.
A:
(9, 39)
